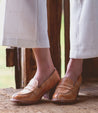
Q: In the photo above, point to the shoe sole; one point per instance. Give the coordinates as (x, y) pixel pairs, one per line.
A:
(24, 102)
(64, 101)
(57, 101)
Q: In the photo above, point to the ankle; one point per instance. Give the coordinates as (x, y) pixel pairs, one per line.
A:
(75, 63)
(74, 69)
(43, 72)
(46, 68)
(75, 66)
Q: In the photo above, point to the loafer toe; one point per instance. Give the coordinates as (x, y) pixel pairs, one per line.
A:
(67, 91)
(33, 93)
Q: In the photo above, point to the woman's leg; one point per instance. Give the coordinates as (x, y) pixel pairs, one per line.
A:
(68, 88)
(74, 69)
(44, 64)
(46, 78)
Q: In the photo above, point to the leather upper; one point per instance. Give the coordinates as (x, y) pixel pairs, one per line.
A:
(32, 92)
(67, 90)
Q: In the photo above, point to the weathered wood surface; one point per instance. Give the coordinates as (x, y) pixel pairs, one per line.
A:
(54, 9)
(67, 30)
(10, 54)
(17, 60)
(90, 70)
(13, 58)
(54, 25)
(28, 66)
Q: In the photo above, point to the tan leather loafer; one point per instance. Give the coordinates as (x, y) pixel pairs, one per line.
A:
(32, 93)
(67, 91)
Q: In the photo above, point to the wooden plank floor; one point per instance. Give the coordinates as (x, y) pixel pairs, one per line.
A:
(90, 89)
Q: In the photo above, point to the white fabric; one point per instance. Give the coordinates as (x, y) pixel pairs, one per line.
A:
(25, 23)
(84, 29)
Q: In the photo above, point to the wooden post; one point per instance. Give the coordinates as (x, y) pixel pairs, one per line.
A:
(28, 65)
(67, 31)
(90, 70)
(10, 55)
(18, 68)
(13, 58)
(54, 8)
(54, 24)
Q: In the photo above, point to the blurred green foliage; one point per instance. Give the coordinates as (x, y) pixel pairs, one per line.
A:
(6, 74)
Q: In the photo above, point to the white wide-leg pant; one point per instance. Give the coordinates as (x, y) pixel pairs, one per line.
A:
(84, 29)
(24, 23)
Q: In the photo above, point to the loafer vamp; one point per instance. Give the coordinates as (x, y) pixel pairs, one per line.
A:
(67, 90)
(32, 93)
